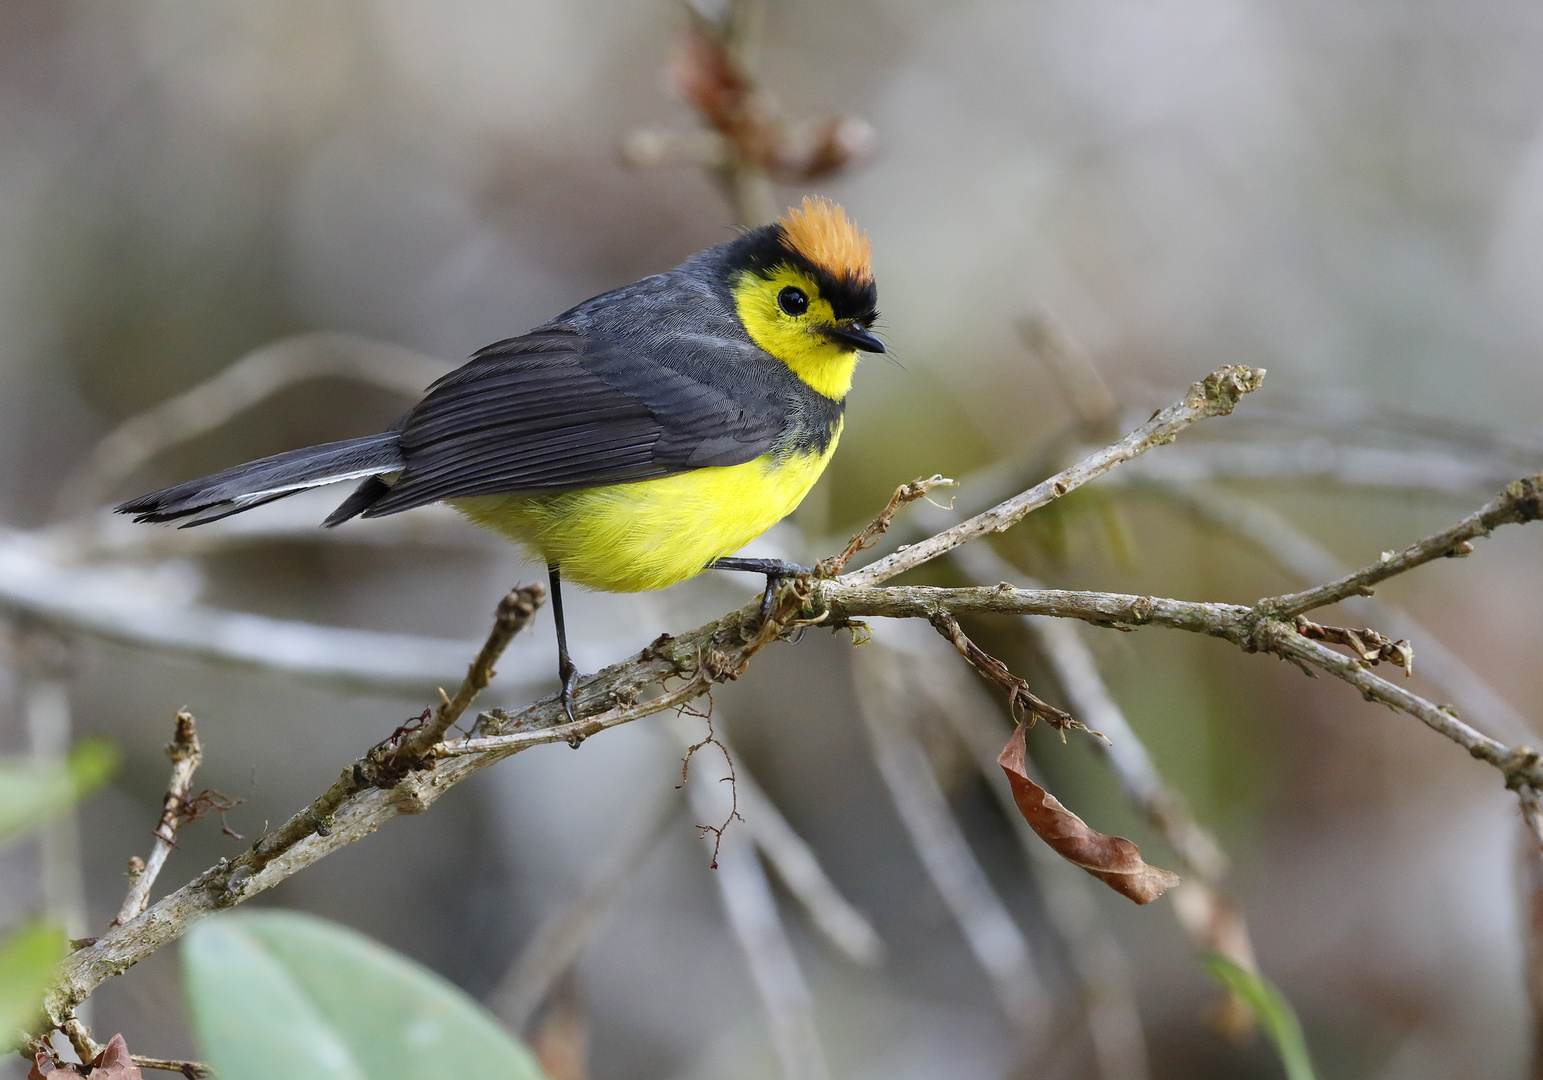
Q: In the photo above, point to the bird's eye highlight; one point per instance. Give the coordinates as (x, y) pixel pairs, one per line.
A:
(793, 300)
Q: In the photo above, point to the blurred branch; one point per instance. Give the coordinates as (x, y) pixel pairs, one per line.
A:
(999, 946)
(747, 142)
(557, 943)
(796, 865)
(243, 384)
(151, 610)
(186, 755)
(45, 709)
(1072, 663)
(1098, 966)
(1529, 855)
(757, 926)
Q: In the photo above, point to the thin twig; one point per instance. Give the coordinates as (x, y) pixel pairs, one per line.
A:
(1216, 395)
(795, 863)
(1076, 672)
(190, 1069)
(1519, 503)
(1020, 699)
(186, 755)
(904, 495)
(515, 612)
(1249, 628)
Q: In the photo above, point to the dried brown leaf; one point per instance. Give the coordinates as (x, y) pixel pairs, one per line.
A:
(1112, 859)
(113, 1063)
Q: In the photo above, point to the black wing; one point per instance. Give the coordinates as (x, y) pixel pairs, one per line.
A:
(556, 411)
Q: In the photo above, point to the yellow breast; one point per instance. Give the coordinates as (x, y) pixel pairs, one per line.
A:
(647, 535)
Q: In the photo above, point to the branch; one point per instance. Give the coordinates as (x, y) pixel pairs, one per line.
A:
(1310, 561)
(1097, 964)
(1252, 629)
(186, 755)
(1072, 663)
(1216, 395)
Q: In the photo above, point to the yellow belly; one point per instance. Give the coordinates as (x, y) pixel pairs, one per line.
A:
(654, 533)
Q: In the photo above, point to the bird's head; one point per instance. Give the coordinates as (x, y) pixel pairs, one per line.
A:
(803, 288)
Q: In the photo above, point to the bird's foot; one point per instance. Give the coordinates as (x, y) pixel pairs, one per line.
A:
(776, 570)
(569, 675)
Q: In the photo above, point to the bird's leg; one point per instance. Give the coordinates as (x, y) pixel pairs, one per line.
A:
(567, 674)
(776, 572)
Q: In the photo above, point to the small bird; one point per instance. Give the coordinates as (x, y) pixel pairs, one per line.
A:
(633, 441)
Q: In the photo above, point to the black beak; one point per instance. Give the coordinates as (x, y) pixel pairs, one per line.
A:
(854, 336)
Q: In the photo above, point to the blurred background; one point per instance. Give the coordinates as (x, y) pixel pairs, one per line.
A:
(1077, 209)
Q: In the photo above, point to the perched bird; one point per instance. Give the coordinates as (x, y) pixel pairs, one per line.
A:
(633, 441)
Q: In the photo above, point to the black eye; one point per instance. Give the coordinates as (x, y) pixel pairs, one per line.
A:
(793, 300)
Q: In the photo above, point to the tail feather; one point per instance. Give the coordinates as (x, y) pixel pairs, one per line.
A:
(245, 486)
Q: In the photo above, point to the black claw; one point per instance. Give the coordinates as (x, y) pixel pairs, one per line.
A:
(570, 680)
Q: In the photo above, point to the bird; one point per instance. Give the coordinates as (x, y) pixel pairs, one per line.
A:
(634, 441)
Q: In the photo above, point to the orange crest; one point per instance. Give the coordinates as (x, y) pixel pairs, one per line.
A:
(821, 233)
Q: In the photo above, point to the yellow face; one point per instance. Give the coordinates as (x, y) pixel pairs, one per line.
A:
(784, 314)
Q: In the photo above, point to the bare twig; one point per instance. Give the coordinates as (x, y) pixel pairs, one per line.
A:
(1216, 395)
(186, 755)
(1019, 696)
(190, 1069)
(1521, 502)
(904, 495)
(1072, 663)
(794, 861)
(515, 612)
(1249, 628)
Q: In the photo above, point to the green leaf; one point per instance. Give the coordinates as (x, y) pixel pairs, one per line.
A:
(278, 993)
(29, 795)
(1274, 1012)
(27, 959)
